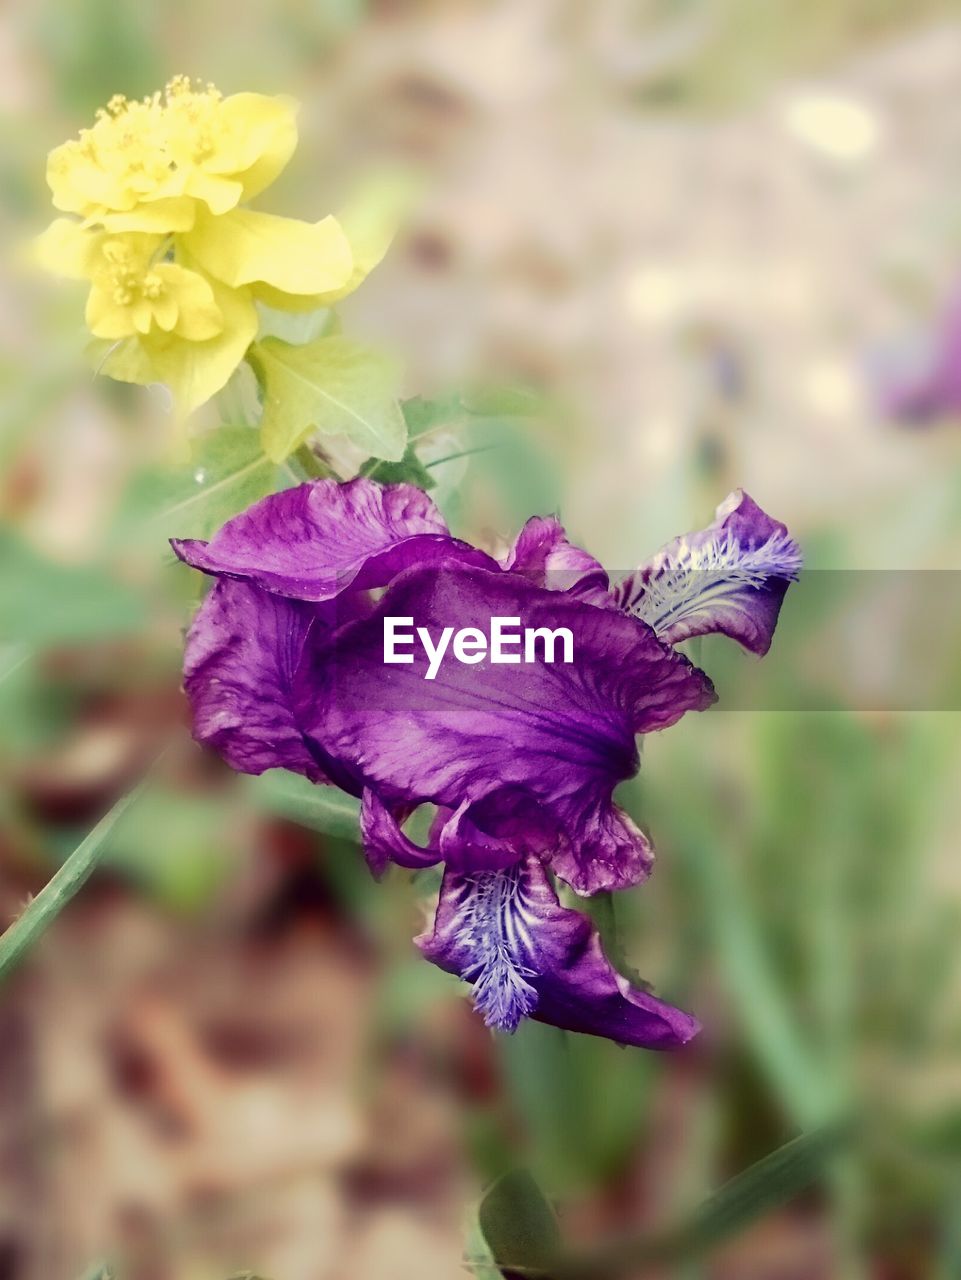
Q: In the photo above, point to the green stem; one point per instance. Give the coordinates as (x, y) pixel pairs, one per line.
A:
(59, 890)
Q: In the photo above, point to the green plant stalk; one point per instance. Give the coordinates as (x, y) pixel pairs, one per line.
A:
(40, 913)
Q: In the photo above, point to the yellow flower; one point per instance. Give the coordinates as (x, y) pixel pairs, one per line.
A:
(174, 262)
(145, 166)
(244, 247)
(134, 289)
(192, 370)
(160, 320)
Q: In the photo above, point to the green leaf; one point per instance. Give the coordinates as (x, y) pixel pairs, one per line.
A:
(426, 416)
(478, 1256)
(518, 1224)
(227, 471)
(297, 327)
(320, 808)
(410, 470)
(331, 385)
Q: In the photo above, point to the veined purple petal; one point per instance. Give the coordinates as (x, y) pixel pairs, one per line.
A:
(494, 830)
(311, 542)
(527, 956)
(241, 654)
(730, 577)
(543, 554)
(548, 740)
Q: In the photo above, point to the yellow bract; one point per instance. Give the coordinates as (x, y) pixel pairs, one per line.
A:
(175, 263)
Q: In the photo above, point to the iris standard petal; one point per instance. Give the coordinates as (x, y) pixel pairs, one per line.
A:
(730, 577)
(543, 553)
(560, 734)
(527, 956)
(311, 542)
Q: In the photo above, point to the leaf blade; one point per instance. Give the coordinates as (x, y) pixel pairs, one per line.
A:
(518, 1224)
(333, 386)
(319, 808)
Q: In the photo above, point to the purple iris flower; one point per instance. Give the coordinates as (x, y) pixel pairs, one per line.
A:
(285, 668)
(930, 387)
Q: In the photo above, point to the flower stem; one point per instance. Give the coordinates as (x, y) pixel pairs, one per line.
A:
(59, 890)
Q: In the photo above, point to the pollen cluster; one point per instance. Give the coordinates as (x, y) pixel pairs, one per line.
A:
(142, 149)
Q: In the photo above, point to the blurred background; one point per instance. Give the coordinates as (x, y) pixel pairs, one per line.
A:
(713, 238)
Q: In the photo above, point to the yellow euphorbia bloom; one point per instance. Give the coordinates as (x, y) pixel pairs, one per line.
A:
(244, 247)
(134, 289)
(161, 320)
(145, 166)
(175, 263)
(192, 370)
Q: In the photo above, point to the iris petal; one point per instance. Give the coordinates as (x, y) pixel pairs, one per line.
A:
(311, 542)
(527, 956)
(241, 654)
(385, 842)
(523, 752)
(730, 577)
(543, 554)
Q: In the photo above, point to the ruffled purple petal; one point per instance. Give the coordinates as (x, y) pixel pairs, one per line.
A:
(730, 577)
(526, 753)
(606, 851)
(543, 554)
(241, 654)
(311, 542)
(527, 956)
(384, 841)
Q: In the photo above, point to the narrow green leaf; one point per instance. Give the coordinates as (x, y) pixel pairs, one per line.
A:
(785, 1054)
(320, 808)
(518, 1224)
(59, 890)
(766, 1185)
(333, 386)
